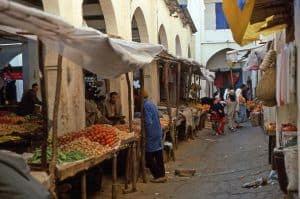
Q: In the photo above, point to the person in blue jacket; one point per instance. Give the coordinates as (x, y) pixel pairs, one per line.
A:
(154, 136)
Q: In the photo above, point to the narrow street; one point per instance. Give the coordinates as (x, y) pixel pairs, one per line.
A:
(222, 163)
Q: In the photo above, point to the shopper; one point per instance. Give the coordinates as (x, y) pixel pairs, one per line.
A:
(242, 107)
(230, 111)
(218, 112)
(154, 136)
(113, 109)
(29, 101)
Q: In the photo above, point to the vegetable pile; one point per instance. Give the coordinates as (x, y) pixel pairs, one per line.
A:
(63, 156)
(125, 127)
(7, 129)
(11, 120)
(103, 134)
(164, 123)
(86, 146)
(9, 138)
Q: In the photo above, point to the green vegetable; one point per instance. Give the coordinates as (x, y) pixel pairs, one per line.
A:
(63, 156)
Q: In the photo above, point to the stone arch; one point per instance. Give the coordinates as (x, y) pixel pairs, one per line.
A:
(218, 60)
(139, 30)
(100, 14)
(178, 46)
(162, 36)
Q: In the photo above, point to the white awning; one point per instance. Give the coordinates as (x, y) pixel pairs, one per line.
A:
(87, 47)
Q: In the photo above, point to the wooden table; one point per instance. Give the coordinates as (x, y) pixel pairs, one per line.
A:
(71, 169)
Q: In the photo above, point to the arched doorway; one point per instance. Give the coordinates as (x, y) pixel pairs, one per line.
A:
(99, 14)
(139, 30)
(178, 46)
(162, 36)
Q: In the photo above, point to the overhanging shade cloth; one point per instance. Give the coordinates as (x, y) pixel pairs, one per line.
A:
(246, 27)
(87, 47)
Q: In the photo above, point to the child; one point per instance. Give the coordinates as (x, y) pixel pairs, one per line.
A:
(218, 110)
(230, 110)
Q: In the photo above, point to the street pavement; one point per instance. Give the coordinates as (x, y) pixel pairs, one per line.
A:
(223, 164)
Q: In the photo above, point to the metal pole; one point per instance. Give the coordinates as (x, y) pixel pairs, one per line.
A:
(129, 101)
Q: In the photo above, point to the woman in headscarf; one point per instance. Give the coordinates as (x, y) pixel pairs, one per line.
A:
(242, 108)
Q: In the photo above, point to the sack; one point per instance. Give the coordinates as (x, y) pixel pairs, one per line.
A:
(268, 61)
(291, 167)
(266, 87)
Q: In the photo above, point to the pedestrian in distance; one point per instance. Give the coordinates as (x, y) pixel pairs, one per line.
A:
(230, 111)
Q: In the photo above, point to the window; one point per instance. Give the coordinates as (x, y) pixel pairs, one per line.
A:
(221, 22)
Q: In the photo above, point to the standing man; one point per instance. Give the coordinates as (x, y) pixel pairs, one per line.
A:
(154, 136)
(113, 109)
(29, 101)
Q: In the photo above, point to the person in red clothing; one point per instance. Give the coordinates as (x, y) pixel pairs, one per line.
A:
(218, 111)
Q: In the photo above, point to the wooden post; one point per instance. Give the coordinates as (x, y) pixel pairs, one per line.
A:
(114, 177)
(107, 86)
(129, 101)
(178, 99)
(134, 169)
(55, 123)
(143, 141)
(171, 126)
(128, 160)
(83, 186)
(44, 106)
(190, 82)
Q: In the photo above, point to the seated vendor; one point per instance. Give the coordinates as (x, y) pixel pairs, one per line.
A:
(92, 114)
(113, 109)
(29, 101)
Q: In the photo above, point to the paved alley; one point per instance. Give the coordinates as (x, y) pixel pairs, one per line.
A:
(223, 164)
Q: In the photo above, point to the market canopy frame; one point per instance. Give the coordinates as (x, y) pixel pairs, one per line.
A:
(87, 47)
(249, 19)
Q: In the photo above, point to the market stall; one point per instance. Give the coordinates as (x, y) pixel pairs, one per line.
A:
(277, 84)
(89, 48)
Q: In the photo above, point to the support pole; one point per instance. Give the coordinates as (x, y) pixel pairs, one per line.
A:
(178, 99)
(143, 141)
(134, 169)
(171, 125)
(55, 124)
(83, 186)
(44, 106)
(129, 101)
(114, 177)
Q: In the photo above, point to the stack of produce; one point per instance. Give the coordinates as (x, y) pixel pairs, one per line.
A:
(104, 134)
(203, 107)
(250, 105)
(86, 146)
(257, 108)
(270, 127)
(63, 156)
(125, 135)
(7, 129)
(288, 127)
(11, 120)
(164, 123)
(125, 127)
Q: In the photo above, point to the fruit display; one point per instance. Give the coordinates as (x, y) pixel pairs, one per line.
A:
(271, 126)
(257, 108)
(86, 146)
(103, 134)
(288, 127)
(164, 123)
(125, 135)
(11, 119)
(125, 127)
(202, 107)
(63, 156)
(7, 129)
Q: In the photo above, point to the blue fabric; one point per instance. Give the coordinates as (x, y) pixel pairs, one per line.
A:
(221, 22)
(242, 113)
(153, 129)
(241, 3)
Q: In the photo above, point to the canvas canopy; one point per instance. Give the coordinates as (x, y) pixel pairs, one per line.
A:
(248, 19)
(87, 47)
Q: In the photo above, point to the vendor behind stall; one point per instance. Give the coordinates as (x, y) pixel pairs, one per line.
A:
(29, 101)
(113, 109)
(92, 114)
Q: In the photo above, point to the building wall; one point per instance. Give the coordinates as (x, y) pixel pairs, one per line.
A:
(118, 14)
